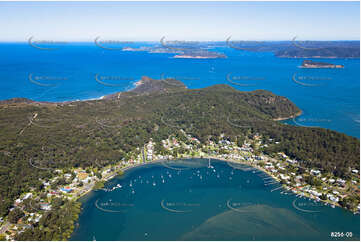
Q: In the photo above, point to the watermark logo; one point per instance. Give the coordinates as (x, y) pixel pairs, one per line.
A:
(243, 80)
(306, 45)
(183, 164)
(179, 207)
(179, 45)
(313, 48)
(309, 81)
(111, 44)
(111, 206)
(237, 206)
(45, 163)
(45, 80)
(45, 44)
(112, 81)
(172, 122)
(306, 206)
(239, 166)
(246, 122)
(107, 123)
(244, 45)
(303, 121)
(176, 80)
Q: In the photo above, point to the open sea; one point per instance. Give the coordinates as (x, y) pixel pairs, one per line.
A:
(329, 98)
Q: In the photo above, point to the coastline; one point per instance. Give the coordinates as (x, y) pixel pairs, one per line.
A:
(290, 117)
(127, 168)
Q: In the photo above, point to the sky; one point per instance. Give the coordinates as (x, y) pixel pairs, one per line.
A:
(150, 21)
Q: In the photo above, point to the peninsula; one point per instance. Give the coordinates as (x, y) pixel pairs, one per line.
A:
(53, 153)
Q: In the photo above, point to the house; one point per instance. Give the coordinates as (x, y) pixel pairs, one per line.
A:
(18, 201)
(45, 206)
(341, 182)
(27, 196)
(332, 198)
(67, 176)
(291, 161)
(315, 172)
(82, 175)
(66, 189)
(284, 177)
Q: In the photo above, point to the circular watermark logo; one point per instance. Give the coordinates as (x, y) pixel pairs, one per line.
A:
(243, 80)
(237, 206)
(244, 45)
(183, 164)
(306, 44)
(112, 80)
(313, 48)
(46, 80)
(47, 165)
(108, 123)
(111, 206)
(304, 121)
(246, 122)
(111, 44)
(45, 44)
(177, 80)
(239, 166)
(44, 84)
(179, 206)
(179, 45)
(305, 206)
(309, 81)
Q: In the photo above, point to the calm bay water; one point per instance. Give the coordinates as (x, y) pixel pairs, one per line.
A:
(197, 200)
(329, 98)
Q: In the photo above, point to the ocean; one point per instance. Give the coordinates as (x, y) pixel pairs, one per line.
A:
(186, 206)
(329, 98)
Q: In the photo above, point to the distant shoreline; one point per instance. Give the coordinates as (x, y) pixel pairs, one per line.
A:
(292, 116)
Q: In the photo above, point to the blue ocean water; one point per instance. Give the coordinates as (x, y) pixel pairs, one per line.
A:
(329, 98)
(192, 200)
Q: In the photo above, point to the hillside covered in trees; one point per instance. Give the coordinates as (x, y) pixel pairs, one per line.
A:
(38, 137)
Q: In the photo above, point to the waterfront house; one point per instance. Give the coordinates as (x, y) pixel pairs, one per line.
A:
(66, 189)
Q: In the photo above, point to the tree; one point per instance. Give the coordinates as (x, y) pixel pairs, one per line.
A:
(15, 215)
(98, 175)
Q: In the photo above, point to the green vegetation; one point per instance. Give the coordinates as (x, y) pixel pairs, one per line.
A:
(57, 224)
(38, 138)
(15, 215)
(98, 185)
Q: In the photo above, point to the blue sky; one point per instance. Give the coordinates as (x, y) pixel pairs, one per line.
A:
(83, 21)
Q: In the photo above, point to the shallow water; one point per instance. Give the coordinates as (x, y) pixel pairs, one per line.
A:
(197, 200)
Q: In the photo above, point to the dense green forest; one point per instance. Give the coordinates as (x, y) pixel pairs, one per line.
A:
(37, 138)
